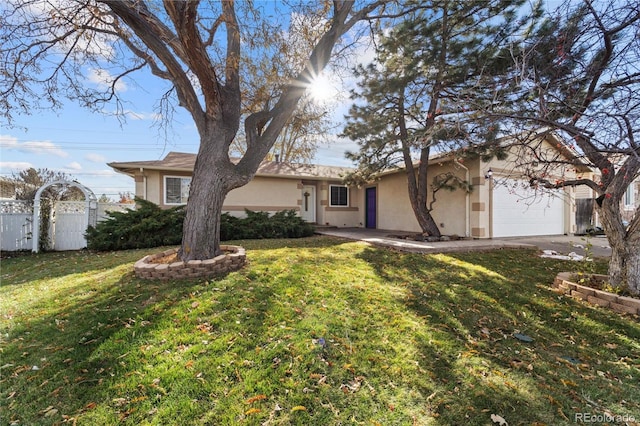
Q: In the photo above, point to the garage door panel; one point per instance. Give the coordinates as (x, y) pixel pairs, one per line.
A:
(519, 210)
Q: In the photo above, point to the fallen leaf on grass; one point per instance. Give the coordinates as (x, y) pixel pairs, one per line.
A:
(49, 411)
(499, 419)
(119, 401)
(252, 411)
(255, 398)
(299, 408)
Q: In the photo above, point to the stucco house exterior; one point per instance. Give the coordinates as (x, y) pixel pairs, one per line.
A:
(501, 204)
(315, 191)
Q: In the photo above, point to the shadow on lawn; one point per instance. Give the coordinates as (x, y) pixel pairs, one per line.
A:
(89, 353)
(64, 263)
(471, 305)
(63, 350)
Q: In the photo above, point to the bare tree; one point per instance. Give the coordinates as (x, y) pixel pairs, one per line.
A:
(310, 123)
(200, 48)
(578, 74)
(28, 181)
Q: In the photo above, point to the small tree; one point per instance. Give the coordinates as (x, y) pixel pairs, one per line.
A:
(431, 76)
(28, 181)
(578, 74)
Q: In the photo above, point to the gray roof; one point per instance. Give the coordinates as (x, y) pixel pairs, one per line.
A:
(185, 162)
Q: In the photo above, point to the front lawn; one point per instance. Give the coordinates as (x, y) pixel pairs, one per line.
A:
(315, 331)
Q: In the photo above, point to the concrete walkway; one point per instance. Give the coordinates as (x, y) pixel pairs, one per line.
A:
(563, 244)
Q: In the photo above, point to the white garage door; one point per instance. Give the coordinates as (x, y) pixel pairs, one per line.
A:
(519, 210)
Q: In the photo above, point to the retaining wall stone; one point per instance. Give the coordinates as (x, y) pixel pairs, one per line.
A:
(235, 258)
(622, 304)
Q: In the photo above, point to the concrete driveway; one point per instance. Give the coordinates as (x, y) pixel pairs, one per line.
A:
(562, 244)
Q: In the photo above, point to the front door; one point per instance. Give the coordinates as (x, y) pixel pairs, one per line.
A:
(308, 207)
(370, 208)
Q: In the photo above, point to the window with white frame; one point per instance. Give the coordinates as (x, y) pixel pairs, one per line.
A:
(629, 197)
(176, 189)
(338, 196)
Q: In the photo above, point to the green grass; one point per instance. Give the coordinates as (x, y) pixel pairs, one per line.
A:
(409, 339)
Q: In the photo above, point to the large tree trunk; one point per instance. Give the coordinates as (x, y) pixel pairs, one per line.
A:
(425, 220)
(213, 177)
(624, 265)
(417, 187)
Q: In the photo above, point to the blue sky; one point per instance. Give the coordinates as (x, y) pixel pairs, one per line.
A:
(80, 143)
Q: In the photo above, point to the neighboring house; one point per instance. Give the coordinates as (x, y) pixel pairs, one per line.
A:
(631, 200)
(502, 203)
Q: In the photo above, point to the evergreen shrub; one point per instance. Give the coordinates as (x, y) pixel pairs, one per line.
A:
(150, 226)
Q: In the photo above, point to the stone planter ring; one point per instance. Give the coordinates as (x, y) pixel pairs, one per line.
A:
(148, 268)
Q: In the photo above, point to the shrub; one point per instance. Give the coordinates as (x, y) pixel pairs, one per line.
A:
(259, 225)
(150, 226)
(147, 226)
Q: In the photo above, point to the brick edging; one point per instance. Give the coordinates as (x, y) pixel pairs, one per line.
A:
(234, 259)
(602, 298)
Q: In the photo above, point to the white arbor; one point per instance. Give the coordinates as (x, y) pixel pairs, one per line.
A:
(90, 208)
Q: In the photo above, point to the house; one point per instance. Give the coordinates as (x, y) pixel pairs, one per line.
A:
(503, 202)
(315, 191)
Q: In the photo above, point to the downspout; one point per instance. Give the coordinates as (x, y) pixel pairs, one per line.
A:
(467, 203)
(144, 183)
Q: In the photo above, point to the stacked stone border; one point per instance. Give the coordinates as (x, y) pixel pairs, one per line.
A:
(563, 282)
(234, 259)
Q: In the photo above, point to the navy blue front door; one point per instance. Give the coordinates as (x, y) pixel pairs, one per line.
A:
(370, 210)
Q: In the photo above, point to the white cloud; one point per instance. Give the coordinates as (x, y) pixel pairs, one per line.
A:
(95, 158)
(31, 147)
(74, 165)
(98, 43)
(103, 79)
(133, 115)
(142, 115)
(14, 166)
(99, 173)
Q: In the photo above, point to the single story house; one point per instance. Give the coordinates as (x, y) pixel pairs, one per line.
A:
(502, 203)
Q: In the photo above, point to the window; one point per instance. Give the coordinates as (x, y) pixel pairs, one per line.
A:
(629, 197)
(176, 189)
(339, 196)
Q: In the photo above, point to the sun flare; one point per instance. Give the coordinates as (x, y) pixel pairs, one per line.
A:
(321, 89)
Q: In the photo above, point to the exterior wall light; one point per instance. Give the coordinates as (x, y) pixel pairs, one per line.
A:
(489, 174)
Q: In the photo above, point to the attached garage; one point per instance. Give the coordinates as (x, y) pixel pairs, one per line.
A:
(519, 210)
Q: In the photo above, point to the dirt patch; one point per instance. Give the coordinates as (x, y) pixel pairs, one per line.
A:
(601, 282)
(426, 238)
(165, 260)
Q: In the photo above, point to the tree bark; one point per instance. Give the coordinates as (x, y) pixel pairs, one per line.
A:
(624, 264)
(214, 175)
(418, 195)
